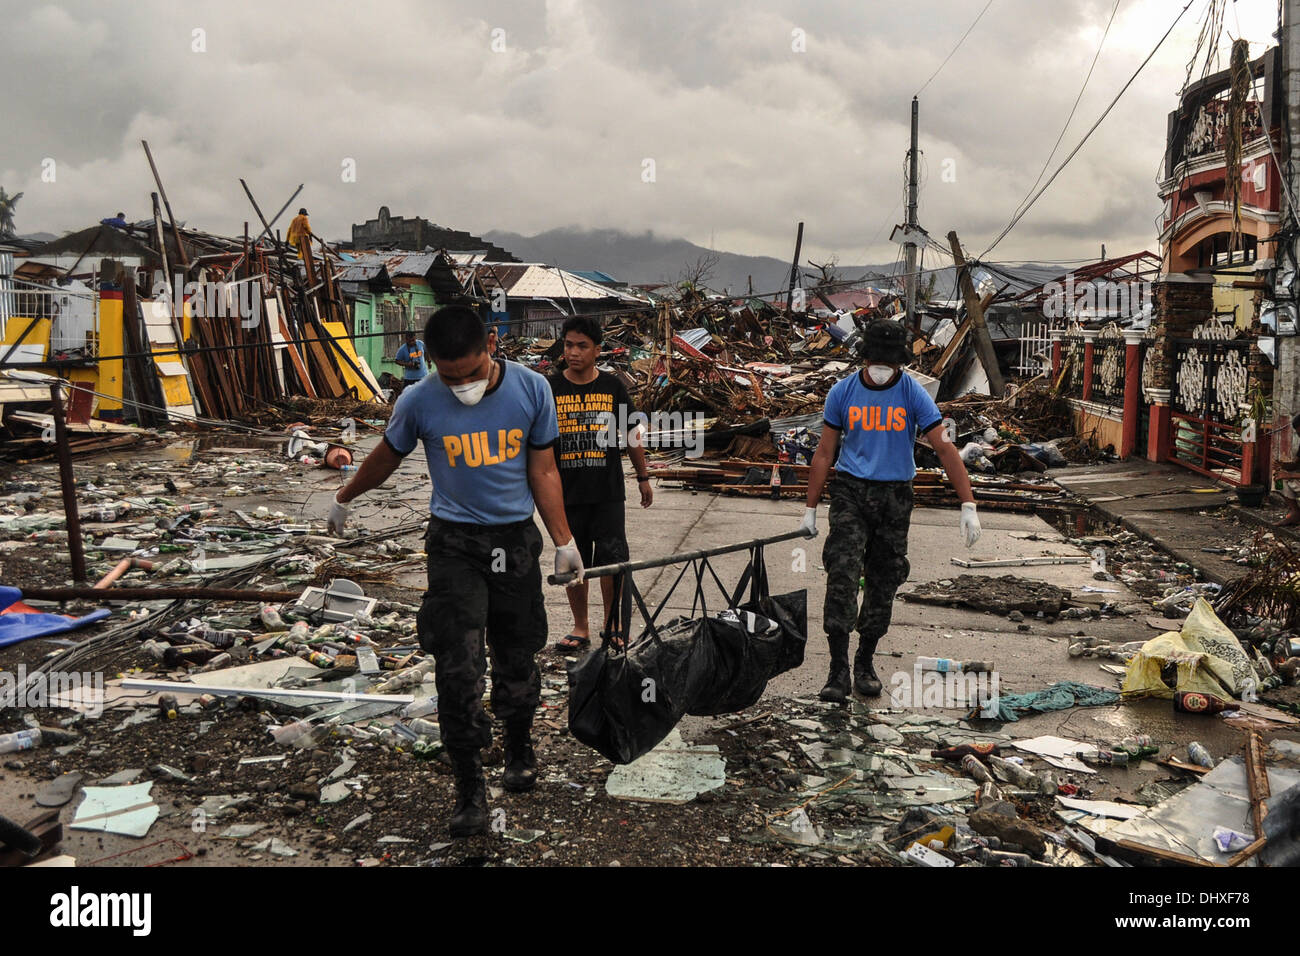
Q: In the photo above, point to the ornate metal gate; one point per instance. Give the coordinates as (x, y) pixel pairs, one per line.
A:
(1208, 403)
(1109, 357)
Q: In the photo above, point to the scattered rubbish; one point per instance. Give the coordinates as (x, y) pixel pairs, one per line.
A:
(673, 772)
(240, 831)
(357, 821)
(1207, 655)
(59, 790)
(1000, 595)
(1025, 562)
(1059, 696)
(127, 810)
(275, 846)
(1198, 755)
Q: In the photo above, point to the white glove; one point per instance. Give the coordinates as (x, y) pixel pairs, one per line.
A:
(809, 523)
(970, 524)
(569, 561)
(338, 518)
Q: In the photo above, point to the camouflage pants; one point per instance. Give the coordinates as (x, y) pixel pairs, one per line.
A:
(485, 587)
(868, 539)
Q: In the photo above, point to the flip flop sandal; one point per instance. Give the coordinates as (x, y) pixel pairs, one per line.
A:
(58, 791)
(573, 642)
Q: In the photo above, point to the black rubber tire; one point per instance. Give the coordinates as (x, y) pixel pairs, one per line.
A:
(20, 838)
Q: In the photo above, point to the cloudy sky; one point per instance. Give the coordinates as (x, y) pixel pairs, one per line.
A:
(531, 116)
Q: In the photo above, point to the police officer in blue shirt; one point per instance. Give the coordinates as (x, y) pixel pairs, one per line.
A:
(488, 427)
(872, 419)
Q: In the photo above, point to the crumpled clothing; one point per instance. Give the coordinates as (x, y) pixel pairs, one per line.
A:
(1059, 696)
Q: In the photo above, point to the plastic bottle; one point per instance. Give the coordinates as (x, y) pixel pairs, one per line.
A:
(1017, 774)
(271, 618)
(971, 764)
(226, 638)
(407, 678)
(421, 708)
(425, 728)
(1199, 755)
(944, 665)
(298, 733)
(20, 740)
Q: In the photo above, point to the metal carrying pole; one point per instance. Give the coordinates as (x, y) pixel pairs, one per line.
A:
(607, 570)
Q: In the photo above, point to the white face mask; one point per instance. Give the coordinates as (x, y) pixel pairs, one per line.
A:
(471, 393)
(880, 374)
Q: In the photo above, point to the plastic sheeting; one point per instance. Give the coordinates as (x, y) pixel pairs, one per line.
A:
(1207, 655)
(18, 626)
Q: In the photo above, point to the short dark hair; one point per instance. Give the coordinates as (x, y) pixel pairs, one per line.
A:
(583, 326)
(302, 212)
(454, 332)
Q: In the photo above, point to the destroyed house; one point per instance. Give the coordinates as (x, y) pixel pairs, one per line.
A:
(106, 309)
(392, 292)
(1179, 363)
(532, 299)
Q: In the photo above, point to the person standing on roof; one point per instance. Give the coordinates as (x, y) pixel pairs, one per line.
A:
(872, 420)
(300, 234)
(488, 427)
(594, 411)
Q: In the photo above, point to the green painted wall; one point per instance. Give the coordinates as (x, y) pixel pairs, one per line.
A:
(390, 313)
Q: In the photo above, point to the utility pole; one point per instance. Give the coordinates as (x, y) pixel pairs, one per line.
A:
(794, 269)
(911, 279)
(975, 316)
(1286, 401)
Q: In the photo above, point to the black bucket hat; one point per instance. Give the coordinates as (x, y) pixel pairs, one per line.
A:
(884, 340)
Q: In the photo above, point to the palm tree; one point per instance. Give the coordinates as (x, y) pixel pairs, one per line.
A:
(7, 204)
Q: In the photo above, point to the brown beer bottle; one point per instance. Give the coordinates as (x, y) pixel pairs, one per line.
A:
(1194, 702)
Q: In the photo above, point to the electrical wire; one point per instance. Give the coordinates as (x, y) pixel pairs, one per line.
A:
(1096, 56)
(1015, 219)
(954, 49)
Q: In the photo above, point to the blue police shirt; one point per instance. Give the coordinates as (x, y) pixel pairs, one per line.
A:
(477, 454)
(406, 353)
(878, 425)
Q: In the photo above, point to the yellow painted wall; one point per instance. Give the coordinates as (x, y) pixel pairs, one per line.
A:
(1104, 431)
(110, 343)
(1228, 299)
(40, 335)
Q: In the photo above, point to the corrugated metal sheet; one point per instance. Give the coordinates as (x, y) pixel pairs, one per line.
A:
(530, 281)
(360, 272)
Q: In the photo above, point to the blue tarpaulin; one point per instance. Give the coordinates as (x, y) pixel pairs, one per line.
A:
(19, 626)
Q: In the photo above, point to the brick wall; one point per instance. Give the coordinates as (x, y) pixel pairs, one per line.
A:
(1181, 303)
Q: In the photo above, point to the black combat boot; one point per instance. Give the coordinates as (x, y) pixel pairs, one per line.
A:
(837, 684)
(469, 818)
(865, 681)
(521, 763)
